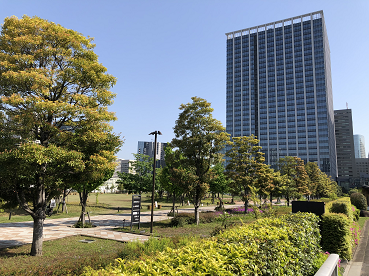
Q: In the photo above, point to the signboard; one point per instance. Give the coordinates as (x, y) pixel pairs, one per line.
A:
(317, 208)
(136, 210)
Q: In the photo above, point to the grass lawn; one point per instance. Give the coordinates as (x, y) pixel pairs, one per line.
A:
(106, 204)
(362, 221)
(65, 256)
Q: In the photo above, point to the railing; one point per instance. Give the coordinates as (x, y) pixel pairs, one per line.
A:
(330, 266)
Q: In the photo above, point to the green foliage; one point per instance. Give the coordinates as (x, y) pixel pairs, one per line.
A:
(336, 235)
(85, 225)
(279, 246)
(141, 181)
(182, 219)
(319, 259)
(356, 214)
(219, 182)
(339, 208)
(359, 201)
(246, 167)
(199, 139)
(54, 98)
(352, 191)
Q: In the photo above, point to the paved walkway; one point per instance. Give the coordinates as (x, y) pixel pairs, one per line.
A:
(359, 265)
(19, 233)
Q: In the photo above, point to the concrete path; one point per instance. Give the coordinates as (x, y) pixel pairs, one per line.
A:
(359, 265)
(18, 233)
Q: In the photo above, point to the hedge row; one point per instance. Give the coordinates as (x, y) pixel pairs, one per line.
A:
(339, 230)
(271, 246)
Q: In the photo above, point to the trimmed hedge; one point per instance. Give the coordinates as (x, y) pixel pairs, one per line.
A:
(359, 200)
(336, 235)
(340, 206)
(287, 245)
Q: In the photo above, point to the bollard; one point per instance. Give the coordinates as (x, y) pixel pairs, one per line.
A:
(118, 209)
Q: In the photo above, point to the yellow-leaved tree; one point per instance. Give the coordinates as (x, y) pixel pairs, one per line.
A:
(54, 95)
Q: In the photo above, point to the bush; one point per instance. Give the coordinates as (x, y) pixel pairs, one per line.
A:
(278, 246)
(87, 225)
(359, 200)
(336, 235)
(356, 213)
(340, 206)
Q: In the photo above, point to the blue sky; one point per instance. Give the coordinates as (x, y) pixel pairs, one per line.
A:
(165, 52)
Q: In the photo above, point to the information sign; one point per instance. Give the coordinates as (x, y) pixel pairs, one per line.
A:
(136, 210)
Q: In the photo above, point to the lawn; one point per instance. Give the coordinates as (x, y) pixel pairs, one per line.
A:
(60, 257)
(103, 204)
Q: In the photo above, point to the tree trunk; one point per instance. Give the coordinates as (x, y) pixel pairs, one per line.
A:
(174, 204)
(38, 237)
(83, 199)
(271, 199)
(197, 213)
(64, 204)
(212, 198)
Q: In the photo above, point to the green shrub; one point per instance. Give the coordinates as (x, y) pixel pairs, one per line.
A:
(353, 191)
(359, 200)
(86, 225)
(182, 219)
(340, 206)
(270, 246)
(336, 235)
(356, 213)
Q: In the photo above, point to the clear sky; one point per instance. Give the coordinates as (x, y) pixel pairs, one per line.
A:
(165, 52)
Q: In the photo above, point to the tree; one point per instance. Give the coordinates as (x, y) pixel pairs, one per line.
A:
(297, 183)
(314, 174)
(199, 139)
(245, 166)
(98, 146)
(51, 85)
(219, 182)
(172, 176)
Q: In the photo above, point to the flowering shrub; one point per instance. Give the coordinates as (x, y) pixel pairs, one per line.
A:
(355, 233)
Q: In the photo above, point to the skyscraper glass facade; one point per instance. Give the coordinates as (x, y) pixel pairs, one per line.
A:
(279, 89)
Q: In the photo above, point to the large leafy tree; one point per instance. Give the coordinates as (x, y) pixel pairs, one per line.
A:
(199, 138)
(297, 180)
(98, 146)
(219, 182)
(246, 166)
(51, 86)
(173, 176)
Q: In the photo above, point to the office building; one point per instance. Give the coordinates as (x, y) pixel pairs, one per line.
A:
(346, 164)
(279, 89)
(147, 148)
(359, 144)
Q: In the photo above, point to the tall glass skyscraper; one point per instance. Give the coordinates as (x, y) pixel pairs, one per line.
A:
(279, 89)
(359, 143)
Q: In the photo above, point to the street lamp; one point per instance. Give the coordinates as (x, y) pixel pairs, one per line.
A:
(153, 180)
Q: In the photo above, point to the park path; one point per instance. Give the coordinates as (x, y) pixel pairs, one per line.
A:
(19, 233)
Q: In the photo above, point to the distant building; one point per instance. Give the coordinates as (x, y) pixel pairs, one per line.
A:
(126, 166)
(359, 143)
(362, 167)
(122, 165)
(346, 165)
(147, 148)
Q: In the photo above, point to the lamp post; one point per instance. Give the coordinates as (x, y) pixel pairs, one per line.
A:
(156, 132)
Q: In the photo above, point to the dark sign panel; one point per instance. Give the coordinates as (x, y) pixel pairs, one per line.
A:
(136, 210)
(308, 206)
